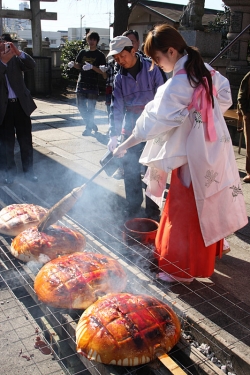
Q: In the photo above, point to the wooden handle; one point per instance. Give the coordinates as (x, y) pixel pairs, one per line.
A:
(170, 364)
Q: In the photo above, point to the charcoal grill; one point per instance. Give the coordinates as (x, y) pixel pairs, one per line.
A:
(208, 315)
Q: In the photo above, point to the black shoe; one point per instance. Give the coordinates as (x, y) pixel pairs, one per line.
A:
(95, 128)
(31, 178)
(86, 132)
(9, 180)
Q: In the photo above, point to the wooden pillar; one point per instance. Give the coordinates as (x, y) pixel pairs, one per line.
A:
(36, 27)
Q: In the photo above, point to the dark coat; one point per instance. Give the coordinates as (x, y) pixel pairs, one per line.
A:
(244, 95)
(14, 70)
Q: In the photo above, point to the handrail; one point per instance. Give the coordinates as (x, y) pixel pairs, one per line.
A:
(229, 45)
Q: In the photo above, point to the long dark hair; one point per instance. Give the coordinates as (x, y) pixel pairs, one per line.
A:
(164, 36)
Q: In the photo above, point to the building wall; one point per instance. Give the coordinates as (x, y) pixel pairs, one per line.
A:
(76, 33)
(142, 22)
(54, 37)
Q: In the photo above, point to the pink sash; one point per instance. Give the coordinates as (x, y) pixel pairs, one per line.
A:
(202, 103)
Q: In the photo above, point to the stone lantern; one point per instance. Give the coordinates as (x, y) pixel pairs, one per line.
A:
(192, 31)
(239, 20)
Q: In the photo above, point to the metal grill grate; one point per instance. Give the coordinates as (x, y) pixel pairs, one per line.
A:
(208, 315)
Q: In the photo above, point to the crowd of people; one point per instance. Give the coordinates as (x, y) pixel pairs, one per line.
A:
(165, 108)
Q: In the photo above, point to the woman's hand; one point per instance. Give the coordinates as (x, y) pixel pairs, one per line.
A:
(118, 153)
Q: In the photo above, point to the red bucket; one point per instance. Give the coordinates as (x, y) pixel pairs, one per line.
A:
(141, 229)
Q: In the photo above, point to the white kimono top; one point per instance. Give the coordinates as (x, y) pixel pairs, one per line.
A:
(182, 130)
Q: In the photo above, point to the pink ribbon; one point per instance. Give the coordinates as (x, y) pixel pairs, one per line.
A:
(202, 103)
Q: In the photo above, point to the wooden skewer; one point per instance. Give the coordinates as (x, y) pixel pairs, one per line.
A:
(65, 204)
(169, 363)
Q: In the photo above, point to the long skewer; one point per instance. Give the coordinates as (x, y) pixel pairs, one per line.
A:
(66, 203)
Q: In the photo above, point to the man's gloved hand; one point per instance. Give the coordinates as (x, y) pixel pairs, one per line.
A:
(112, 143)
(87, 66)
(103, 68)
(71, 64)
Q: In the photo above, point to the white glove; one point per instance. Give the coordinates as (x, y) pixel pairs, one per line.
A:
(103, 68)
(87, 66)
(71, 64)
(112, 143)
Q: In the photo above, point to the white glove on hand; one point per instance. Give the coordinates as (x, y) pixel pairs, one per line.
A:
(103, 68)
(71, 64)
(87, 66)
(112, 143)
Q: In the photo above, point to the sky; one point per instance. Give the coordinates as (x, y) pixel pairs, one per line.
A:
(91, 13)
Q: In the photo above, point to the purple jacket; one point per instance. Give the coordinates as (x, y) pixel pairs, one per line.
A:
(130, 96)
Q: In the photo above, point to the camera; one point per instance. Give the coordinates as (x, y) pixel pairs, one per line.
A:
(7, 47)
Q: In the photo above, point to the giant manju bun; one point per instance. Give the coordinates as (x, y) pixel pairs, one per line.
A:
(32, 245)
(75, 281)
(16, 218)
(127, 330)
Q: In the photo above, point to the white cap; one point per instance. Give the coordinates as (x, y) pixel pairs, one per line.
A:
(118, 44)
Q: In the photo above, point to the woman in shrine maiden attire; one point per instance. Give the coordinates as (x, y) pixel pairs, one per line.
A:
(187, 135)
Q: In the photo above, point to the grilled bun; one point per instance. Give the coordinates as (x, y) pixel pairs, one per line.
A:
(32, 245)
(75, 281)
(127, 330)
(16, 218)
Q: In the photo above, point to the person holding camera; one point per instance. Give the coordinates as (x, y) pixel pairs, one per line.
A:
(16, 106)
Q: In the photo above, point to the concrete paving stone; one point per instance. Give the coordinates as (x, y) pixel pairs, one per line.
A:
(38, 142)
(53, 135)
(5, 295)
(6, 328)
(72, 131)
(54, 119)
(18, 334)
(78, 145)
(24, 325)
(237, 243)
(63, 153)
(87, 155)
(39, 126)
(87, 165)
(7, 304)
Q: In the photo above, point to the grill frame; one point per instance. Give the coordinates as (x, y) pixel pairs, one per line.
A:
(202, 328)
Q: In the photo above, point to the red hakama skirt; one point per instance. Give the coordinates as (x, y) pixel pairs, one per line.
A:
(180, 249)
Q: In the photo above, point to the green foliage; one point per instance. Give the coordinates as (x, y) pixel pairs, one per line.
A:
(221, 24)
(69, 52)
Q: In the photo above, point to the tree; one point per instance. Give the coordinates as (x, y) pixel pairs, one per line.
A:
(69, 52)
(122, 10)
